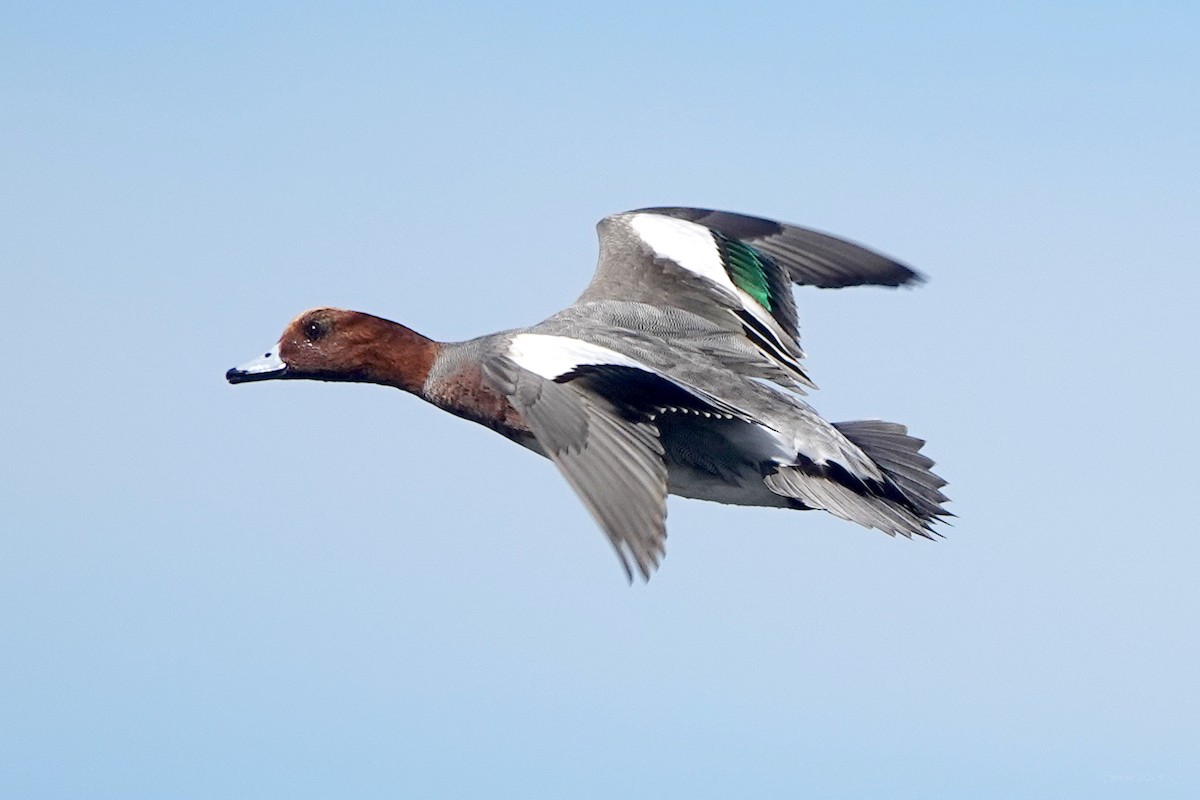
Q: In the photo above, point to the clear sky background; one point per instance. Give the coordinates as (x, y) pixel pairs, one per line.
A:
(305, 590)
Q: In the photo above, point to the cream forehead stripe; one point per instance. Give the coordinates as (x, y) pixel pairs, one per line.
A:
(552, 356)
(689, 245)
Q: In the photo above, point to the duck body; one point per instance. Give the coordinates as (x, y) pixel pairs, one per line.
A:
(677, 371)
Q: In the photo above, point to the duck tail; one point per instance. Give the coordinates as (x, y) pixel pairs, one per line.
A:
(899, 456)
(907, 501)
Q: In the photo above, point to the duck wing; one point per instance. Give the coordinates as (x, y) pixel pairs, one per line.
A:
(810, 257)
(615, 464)
(734, 270)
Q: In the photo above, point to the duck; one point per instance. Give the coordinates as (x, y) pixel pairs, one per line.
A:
(678, 371)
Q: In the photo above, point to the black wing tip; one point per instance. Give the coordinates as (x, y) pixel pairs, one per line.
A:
(893, 276)
(905, 275)
(638, 569)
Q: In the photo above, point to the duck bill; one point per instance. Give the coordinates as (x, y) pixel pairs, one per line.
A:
(269, 367)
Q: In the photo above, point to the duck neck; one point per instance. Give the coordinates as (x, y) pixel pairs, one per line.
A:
(400, 357)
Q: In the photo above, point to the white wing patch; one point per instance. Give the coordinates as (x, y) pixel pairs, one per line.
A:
(689, 245)
(694, 248)
(552, 356)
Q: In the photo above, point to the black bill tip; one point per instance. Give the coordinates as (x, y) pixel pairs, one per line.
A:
(238, 375)
(260, 369)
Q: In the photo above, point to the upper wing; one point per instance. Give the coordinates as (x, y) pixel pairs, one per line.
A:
(811, 258)
(734, 270)
(614, 464)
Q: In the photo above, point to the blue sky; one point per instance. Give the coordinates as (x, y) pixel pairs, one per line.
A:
(305, 590)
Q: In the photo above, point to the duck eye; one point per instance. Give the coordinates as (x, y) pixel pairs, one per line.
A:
(315, 329)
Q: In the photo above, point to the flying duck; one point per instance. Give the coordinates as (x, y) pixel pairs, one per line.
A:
(677, 371)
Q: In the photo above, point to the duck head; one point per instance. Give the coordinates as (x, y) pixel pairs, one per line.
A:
(332, 344)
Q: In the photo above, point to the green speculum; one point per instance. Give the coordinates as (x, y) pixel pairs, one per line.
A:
(745, 266)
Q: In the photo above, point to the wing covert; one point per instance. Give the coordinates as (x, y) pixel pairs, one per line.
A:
(670, 262)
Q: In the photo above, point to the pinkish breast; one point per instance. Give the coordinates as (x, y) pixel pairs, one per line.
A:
(464, 393)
